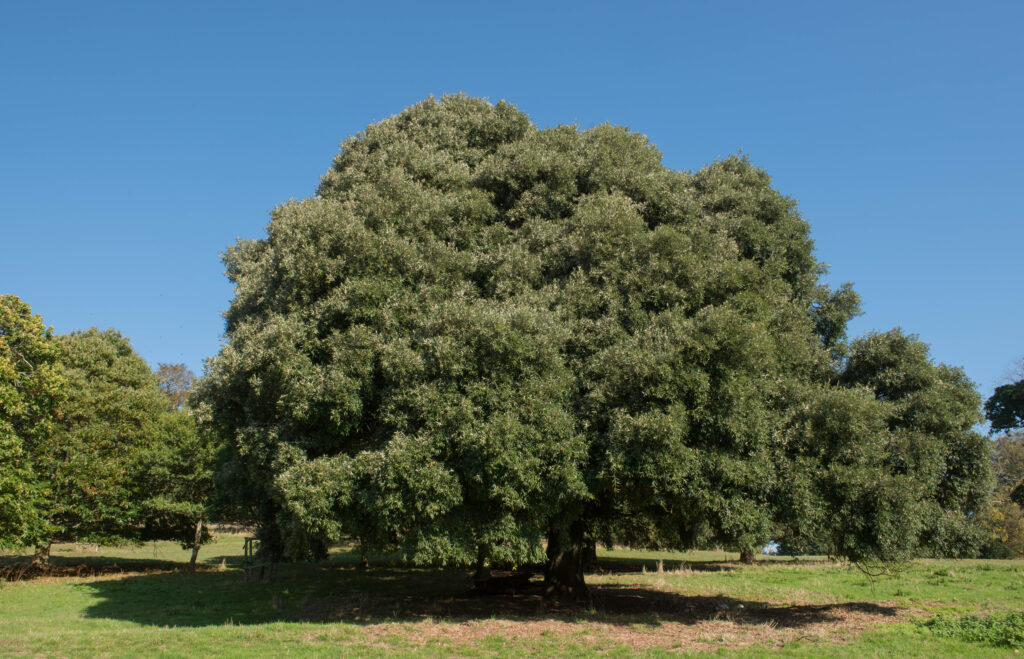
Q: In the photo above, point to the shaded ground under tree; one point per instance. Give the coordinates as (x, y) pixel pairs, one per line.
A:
(640, 600)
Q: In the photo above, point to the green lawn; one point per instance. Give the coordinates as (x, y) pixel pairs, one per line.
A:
(644, 602)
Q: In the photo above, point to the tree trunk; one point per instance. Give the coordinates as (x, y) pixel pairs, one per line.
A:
(195, 546)
(563, 572)
(590, 556)
(483, 573)
(42, 556)
(747, 555)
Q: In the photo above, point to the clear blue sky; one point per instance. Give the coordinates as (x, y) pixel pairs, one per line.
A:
(138, 139)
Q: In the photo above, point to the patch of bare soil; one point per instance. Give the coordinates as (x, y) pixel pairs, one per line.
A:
(636, 617)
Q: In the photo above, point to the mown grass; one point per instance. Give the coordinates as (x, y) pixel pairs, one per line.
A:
(645, 602)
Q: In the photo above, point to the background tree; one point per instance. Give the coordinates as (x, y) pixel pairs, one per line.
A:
(111, 413)
(178, 471)
(481, 336)
(120, 466)
(1004, 520)
(1005, 408)
(174, 475)
(176, 382)
(931, 412)
(30, 390)
(1008, 461)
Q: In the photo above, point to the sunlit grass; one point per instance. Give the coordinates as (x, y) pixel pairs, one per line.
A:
(157, 608)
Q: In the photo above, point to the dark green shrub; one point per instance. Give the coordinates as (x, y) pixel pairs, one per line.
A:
(996, 549)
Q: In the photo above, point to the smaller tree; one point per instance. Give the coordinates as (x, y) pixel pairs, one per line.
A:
(111, 412)
(91, 449)
(178, 471)
(174, 475)
(121, 465)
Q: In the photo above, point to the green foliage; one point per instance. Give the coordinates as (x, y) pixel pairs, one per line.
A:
(114, 463)
(938, 467)
(480, 335)
(175, 471)
(30, 390)
(995, 548)
(1005, 409)
(832, 311)
(1004, 519)
(173, 479)
(111, 413)
(176, 382)
(1005, 630)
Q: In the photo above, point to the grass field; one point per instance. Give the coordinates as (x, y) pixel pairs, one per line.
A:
(140, 601)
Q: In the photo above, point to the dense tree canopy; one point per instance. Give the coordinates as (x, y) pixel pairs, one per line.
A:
(172, 482)
(107, 461)
(175, 472)
(481, 337)
(30, 390)
(176, 381)
(1005, 519)
(112, 412)
(1005, 409)
(933, 448)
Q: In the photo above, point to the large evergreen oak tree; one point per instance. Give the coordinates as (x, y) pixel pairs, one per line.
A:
(486, 341)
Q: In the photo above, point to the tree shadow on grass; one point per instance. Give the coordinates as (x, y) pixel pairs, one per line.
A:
(12, 568)
(21, 569)
(90, 566)
(326, 593)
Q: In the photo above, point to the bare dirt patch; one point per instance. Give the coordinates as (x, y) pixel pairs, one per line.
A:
(635, 617)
